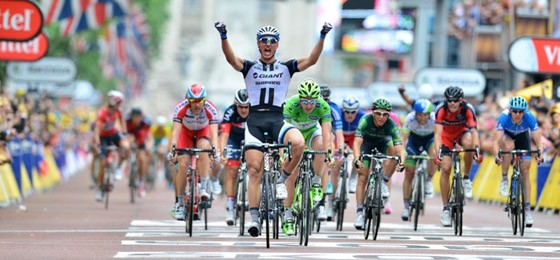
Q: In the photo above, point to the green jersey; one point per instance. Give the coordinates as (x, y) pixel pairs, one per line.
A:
(294, 114)
(369, 131)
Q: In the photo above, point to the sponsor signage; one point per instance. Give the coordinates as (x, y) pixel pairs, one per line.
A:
(535, 55)
(31, 50)
(48, 69)
(19, 20)
(470, 80)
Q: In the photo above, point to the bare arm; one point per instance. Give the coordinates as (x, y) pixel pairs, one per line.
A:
(339, 139)
(437, 137)
(175, 134)
(234, 61)
(327, 137)
(536, 135)
(304, 63)
(498, 135)
(405, 96)
(214, 137)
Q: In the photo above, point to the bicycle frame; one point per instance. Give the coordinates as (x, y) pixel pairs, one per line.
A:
(418, 196)
(109, 167)
(340, 204)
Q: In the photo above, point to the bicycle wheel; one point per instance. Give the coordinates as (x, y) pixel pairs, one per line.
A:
(107, 184)
(306, 210)
(341, 205)
(240, 207)
(417, 197)
(458, 209)
(275, 206)
(266, 200)
(521, 205)
(205, 205)
(512, 206)
(190, 205)
(378, 206)
(132, 180)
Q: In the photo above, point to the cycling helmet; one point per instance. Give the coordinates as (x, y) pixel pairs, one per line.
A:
(517, 103)
(325, 90)
(136, 111)
(425, 91)
(309, 89)
(423, 106)
(241, 97)
(453, 92)
(115, 97)
(161, 121)
(350, 103)
(382, 103)
(268, 31)
(196, 91)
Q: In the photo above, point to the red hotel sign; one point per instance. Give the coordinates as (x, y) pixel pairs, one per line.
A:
(31, 50)
(19, 20)
(535, 55)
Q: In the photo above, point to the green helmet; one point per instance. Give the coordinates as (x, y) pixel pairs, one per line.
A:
(309, 89)
(382, 103)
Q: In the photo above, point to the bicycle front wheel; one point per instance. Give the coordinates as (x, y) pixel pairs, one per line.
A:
(132, 181)
(190, 206)
(240, 207)
(107, 185)
(513, 206)
(417, 196)
(378, 206)
(458, 209)
(369, 207)
(341, 205)
(521, 205)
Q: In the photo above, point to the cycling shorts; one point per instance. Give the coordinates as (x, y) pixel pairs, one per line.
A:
(521, 142)
(310, 134)
(449, 139)
(270, 122)
(349, 140)
(187, 137)
(416, 145)
(113, 139)
(380, 144)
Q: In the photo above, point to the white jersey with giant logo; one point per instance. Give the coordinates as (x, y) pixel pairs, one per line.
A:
(267, 84)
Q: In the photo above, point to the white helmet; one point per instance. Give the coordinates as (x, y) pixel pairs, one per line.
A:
(350, 103)
(268, 31)
(115, 98)
(425, 91)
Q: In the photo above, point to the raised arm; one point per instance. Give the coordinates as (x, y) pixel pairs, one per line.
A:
(405, 96)
(304, 63)
(234, 61)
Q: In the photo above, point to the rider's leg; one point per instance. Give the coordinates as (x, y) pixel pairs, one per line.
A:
(445, 165)
(180, 180)
(254, 168)
(203, 164)
(230, 183)
(298, 144)
(467, 143)
(407, 184)
(506, 144)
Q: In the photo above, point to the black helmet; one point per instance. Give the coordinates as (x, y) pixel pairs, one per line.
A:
(136, 111)
(325, 90)
(453, 92)
(241, 97)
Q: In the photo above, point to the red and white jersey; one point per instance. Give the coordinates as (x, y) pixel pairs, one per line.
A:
(184, 115)
(106, 121)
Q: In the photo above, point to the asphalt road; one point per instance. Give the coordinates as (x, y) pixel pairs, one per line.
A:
(67, 223)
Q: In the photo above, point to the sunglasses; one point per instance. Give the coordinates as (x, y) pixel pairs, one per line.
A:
(517, 111)
(269, 40)
(308, 101)
(197, 100)
(453, 100)
(383, 114)
(243, 107)
(350, 111)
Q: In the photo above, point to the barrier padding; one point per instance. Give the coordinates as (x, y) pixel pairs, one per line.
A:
(550, 196)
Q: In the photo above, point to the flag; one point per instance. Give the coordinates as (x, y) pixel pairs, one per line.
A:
(57, 10)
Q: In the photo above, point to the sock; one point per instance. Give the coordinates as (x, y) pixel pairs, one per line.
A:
(181, 199)
(466, 177)
(527, 206)
(322, 201)
(316, 179)
(446, 207)
(230, 203)
(504, 176)
(406, 203)
(283, 177)
(203, 182)
(288, 214)
(359, 207)
(386, 178)
(254, 214)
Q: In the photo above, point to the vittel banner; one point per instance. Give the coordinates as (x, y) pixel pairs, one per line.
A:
(31, 50)
(535, 55)
(19, 20)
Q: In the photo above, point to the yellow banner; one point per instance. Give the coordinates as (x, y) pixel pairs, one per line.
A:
(550, 196)
(539, 89)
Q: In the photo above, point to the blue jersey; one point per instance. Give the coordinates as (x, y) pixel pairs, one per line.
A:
(336, 114)
(349, 128)
(528, 123)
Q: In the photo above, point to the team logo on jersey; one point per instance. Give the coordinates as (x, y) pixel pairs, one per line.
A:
(267, 76)
(312, 117)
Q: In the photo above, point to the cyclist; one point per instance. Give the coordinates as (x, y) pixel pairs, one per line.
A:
(352, 113)
(455, 124)
(139, 129)
(376, 131)
(304, 111)
(267, 81)
(161, 132)
(195, 124)
(233, 133)
(418, 135)
(516, 126)
(110, 128)
(336, 123)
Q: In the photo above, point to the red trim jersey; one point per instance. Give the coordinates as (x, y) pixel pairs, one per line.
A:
(140, 131)
(455, 124)
(107, 121)
(184, 115)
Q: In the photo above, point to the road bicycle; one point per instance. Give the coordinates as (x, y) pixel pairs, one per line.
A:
(342, 199)
(241, 206)
(374, 203)
(134, 175)
(303, 204)
(516, 200)
(269, 206)
(418, 198)
(456, 193)
(195, 206)
(110, 167)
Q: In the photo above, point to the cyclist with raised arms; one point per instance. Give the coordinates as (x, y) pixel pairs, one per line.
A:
(311, 114)
(267, 81)
(352, 113)
(110, 129)
(376, 131)
(336, 116)
(195, 124)
(418, 136)
(233, 133)
(455, 125)
(516, 126)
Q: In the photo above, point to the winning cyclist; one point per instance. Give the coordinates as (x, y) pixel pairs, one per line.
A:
(418, 135)
(139, 132)
(352, 113)
(376, 131)
(110, 129)
(336, 123)
(455, 125)
(267, 81)
(233, 133)
(304, 111)
(515, 129)
(195, 124)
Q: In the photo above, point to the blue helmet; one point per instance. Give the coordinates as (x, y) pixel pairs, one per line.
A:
(350, 103)
(517, 103)
(423, 106)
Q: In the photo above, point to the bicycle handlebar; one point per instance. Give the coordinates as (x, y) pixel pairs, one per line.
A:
(420, 157)
(268, 146)
(519, 151)
(377, 155)
(345, 153)
(307, 151)
(193, 151)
